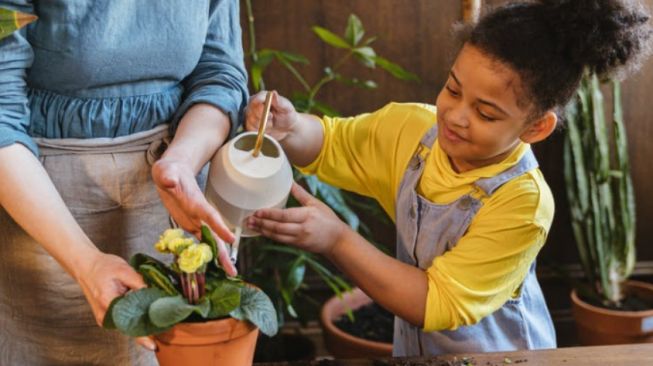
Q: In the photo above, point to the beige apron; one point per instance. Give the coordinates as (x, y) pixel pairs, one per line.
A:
(107, 185)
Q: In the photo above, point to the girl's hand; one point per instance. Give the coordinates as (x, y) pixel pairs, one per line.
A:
(183, 198)
(281, 119)
(314, 227)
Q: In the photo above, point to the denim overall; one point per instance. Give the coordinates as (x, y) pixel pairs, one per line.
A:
(426, 230)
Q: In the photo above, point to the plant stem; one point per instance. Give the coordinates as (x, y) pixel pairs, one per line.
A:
(326, 79)
(252, 37)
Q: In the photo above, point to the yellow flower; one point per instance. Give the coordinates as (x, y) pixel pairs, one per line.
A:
(194, 257)
(177, 245)
(163, 245)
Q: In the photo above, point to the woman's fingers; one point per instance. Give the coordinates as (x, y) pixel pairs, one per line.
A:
(293, 214)
(147, 343)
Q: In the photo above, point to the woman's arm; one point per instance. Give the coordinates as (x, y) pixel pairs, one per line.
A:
(30, 198)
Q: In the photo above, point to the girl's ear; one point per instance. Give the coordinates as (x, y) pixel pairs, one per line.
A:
(540, 129)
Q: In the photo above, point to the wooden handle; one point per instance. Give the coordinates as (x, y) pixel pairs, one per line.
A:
(261, 125)
(471, 10)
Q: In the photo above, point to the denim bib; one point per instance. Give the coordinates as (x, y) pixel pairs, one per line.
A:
(426, 230)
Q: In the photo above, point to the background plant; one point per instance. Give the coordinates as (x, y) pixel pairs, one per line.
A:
(281, 270)
(600, 192)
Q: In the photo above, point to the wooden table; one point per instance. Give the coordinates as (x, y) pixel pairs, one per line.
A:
(622, 355)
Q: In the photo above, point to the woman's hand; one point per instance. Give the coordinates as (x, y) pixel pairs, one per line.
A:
(183, 198)
(313, 227)
(282, 117)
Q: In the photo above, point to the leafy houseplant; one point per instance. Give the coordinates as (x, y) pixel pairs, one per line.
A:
(194, 289)
(602, 203)
(279, 269)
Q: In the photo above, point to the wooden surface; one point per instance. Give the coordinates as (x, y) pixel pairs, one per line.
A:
(577, 356)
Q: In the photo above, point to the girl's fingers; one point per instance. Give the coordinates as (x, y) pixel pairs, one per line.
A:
(303, 197)
(215, 222)
(293, 214)
(275, 227)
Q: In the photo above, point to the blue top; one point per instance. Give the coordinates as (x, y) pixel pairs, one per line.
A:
(109, 68)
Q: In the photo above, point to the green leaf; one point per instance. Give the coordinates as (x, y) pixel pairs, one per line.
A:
(154, 277)
(264, 57)
(224, 297)
(366, 55)
(168, 311)
(325, 109)
(139, 259)
(130, 314)
(256, 307)
(207, 237)
(355, 31)
(363, 84)
(394, 69)
(291, 57)
(108, 323)
(330, 38)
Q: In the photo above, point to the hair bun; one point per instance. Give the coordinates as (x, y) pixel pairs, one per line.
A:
(599, 34)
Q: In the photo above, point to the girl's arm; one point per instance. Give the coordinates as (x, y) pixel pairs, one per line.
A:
(397, 286)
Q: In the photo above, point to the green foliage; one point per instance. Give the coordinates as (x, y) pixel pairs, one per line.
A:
(159, 307)
(600, 191)
(281, 270)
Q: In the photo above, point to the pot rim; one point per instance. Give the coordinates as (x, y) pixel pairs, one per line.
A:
(622, 313)
(209, 332)
(328, 321)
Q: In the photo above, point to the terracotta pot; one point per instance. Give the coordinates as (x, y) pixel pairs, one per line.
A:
(600, 326)
(344, 345)
(224, 342)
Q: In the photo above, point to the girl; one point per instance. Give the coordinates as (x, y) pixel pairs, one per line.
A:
(472, 209)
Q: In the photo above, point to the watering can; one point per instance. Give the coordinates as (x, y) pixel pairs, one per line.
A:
(248, 173)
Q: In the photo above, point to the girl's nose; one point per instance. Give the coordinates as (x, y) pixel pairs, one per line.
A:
(458, 116)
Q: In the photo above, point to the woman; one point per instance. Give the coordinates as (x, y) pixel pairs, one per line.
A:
(91, 93)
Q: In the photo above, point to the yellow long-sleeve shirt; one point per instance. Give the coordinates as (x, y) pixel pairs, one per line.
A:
(368, 154)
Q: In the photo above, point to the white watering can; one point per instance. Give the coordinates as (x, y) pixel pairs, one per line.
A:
(248, 173)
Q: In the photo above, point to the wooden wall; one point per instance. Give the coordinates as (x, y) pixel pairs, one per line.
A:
(417, 35)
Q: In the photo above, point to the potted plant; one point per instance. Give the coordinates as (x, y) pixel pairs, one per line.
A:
(196, 313)
(610, 309)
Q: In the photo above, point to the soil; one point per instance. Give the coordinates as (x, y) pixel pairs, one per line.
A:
(631, 302)
(371, 322)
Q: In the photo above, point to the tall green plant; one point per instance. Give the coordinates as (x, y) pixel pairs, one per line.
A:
(600, 190)
(280, 270)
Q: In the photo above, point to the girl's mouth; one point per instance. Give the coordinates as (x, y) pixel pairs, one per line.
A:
(450, 135)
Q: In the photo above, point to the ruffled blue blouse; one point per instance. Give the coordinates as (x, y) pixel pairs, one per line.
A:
(109, 68)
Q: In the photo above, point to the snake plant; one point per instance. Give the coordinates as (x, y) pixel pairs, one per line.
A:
(600, 190)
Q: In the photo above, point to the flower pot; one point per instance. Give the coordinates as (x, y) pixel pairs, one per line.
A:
(344, 345)
(224, 342)
(600, 326)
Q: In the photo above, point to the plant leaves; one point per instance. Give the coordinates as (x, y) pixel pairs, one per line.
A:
(224, 298)
(153, 277)
(108, 323)
(330, 37)
(366, 55)
(394, 69)
(355, 31)
(139, 259)
(257, 307)
(130, 313)
(170, 310)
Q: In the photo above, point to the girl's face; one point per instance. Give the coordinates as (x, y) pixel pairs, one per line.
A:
(480, 121)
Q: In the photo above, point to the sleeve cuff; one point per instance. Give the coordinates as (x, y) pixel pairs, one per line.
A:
(9, 136)
(229, 102)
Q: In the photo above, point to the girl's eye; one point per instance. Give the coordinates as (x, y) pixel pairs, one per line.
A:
(452, 92)
(486, 117)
